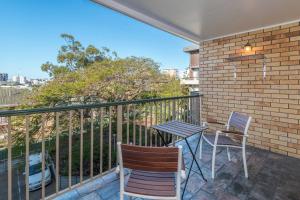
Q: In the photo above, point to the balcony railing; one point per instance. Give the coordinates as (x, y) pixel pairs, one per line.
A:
(78, 143)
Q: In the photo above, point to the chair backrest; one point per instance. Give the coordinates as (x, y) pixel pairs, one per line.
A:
(239, 122)
(155, 159)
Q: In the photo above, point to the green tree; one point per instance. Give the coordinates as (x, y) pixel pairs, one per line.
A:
(84, 75)
(73, 56)
(89, 74)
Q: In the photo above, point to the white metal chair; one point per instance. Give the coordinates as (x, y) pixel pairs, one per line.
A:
(153, 171)
(237, 126)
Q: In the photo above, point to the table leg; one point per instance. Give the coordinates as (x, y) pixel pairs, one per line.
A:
(187, 178)
(162, 138)
(194, 160)
(170, 138)
(194, 157)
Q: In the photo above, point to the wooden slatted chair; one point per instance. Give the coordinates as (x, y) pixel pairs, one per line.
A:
(237, 127)
(155, 171)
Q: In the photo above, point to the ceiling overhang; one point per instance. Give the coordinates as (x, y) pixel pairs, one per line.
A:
(200, 20)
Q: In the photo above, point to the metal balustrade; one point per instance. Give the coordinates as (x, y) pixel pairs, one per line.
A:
(80, 140)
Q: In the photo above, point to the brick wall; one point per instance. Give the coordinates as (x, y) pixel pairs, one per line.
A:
(274, 102)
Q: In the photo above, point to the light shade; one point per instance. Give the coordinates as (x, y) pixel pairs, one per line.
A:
(247, 47)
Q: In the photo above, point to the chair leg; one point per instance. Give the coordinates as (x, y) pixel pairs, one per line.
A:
(228, 154)
(121, 196)
(245, 162)
(200, 148)
(213, 162)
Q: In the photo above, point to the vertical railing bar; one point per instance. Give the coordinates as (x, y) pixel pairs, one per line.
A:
(9, 170)
(151, 123)
(92, 145)
(119, 123)
(184, 110)
(184, 103)
(101, 141)
(119, 126)
(181, 111)
(81, 146)
(191, 110)
(156, 119)
(57, 152)
(134, 124)
(174, 117)
(128, 120)
(176, 109)
(195, 115)
(165, 111)
(178, 114)
(70, 150)
(161, 121)
(146, 129)
(173, 109)
(169, 110)
(27, 157)
(161, 113)
(188, 111)
(43, 156)
(200, 110)
(109, 138)
(140, 130)
(166, 135)
(195, 104)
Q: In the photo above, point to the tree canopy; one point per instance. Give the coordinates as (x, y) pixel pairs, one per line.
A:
(92, 74)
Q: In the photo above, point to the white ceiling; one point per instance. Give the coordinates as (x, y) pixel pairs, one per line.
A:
(199, 20)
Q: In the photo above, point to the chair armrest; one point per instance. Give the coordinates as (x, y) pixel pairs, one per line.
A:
(213, 121)
(237, 133)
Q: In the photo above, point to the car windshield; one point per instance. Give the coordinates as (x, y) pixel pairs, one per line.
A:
(35, 169)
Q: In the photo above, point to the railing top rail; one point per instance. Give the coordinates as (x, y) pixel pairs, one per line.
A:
(7, 113)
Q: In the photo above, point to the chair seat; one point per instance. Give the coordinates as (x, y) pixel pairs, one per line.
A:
(222, 140)
(151, 183)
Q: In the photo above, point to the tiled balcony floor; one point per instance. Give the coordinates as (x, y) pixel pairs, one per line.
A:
(271, 177)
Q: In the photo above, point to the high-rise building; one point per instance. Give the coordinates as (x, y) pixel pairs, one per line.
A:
(3, 77)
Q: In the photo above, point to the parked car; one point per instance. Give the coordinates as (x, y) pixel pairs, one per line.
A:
(35, 172)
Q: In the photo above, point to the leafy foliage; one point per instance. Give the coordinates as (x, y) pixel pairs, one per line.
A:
(89, 74)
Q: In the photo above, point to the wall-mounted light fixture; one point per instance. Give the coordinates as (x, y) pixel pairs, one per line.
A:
(234, 72)
(247, 47)
(264, 70)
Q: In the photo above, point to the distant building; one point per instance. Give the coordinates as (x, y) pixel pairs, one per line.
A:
(22, 80)
(37, 81)
(3, 77)
(16, 79)
(192, 75)
(19, 79)
(171, 72)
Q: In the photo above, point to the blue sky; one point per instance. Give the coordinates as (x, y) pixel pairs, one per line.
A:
(30, 34)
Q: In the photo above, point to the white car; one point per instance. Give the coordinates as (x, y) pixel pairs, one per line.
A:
(35, 172)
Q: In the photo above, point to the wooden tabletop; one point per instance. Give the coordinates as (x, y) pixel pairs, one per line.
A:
(179, 128)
